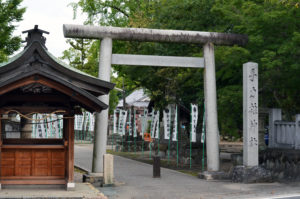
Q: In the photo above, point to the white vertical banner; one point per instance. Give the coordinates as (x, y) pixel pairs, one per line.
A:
(194, 117)
(144, 122)
(78, 122)
(122, 122)
(92, 122)
(61, 125)
(55, 127)
(41, 132)
(115, 122)
(134, 124)
(75, 122)
(154, 123)
(129, 123)
(33, 135)
(86, 121)
(48, 124)
(157, 125)
(175, 129)
(167, 122)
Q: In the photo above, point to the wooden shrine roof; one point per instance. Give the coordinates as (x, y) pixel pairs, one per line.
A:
(36, 75)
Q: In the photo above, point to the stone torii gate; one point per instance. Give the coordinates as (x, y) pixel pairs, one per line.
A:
(207, 39)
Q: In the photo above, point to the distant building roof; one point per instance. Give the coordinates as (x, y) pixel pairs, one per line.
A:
(137, 98)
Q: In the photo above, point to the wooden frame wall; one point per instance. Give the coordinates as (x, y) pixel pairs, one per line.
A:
(67, 146)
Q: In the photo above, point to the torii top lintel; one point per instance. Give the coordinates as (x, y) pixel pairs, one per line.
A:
(153, 35)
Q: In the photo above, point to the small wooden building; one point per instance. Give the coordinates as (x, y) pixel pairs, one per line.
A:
(34, 81)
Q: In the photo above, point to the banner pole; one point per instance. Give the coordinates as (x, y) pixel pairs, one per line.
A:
(122, 143)
(128, 143)
(169, 150)
(191, 137)
(158, 134)
(113, 129)
(177, 133)
(143, 148)
(129, 129)
(151, 136)
(134, 146)
(169, 144)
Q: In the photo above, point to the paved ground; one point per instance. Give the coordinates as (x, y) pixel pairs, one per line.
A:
(82, 190)
(134, 181)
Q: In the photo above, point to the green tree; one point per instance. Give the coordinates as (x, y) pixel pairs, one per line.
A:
(10, 13)
(274, 43)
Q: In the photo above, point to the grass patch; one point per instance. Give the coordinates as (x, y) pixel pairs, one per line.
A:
(189, 172)
(76, 169)
(171, 164)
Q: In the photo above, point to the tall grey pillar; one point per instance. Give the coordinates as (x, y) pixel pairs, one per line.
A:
(101, 124)
(210, 92)
(250, 114)
(274, 114)
(297, 132)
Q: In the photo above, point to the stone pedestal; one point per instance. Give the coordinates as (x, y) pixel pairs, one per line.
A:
(94, 178)
(254, 174)
(70, 186)
(108, 171)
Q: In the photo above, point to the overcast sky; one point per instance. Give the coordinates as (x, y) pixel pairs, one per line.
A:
(49, 15)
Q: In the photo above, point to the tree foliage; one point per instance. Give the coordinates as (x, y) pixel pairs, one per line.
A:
(273, 28)
(10, 13)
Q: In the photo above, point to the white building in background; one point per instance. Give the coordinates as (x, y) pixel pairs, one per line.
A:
(137, 99)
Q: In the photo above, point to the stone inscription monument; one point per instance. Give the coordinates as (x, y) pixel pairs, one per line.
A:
(250, 114)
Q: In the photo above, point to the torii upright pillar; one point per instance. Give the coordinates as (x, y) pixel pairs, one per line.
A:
(211, 114)
(101, 124)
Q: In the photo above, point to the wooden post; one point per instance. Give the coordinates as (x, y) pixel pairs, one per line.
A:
(156, 167)
(70, 151)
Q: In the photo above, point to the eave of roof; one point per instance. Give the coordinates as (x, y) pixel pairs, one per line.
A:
(18, 61)
(63, 67)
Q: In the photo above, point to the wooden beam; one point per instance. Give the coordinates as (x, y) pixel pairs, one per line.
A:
(30, 109)
(84, 101)
(29, 181)
(57, 98)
